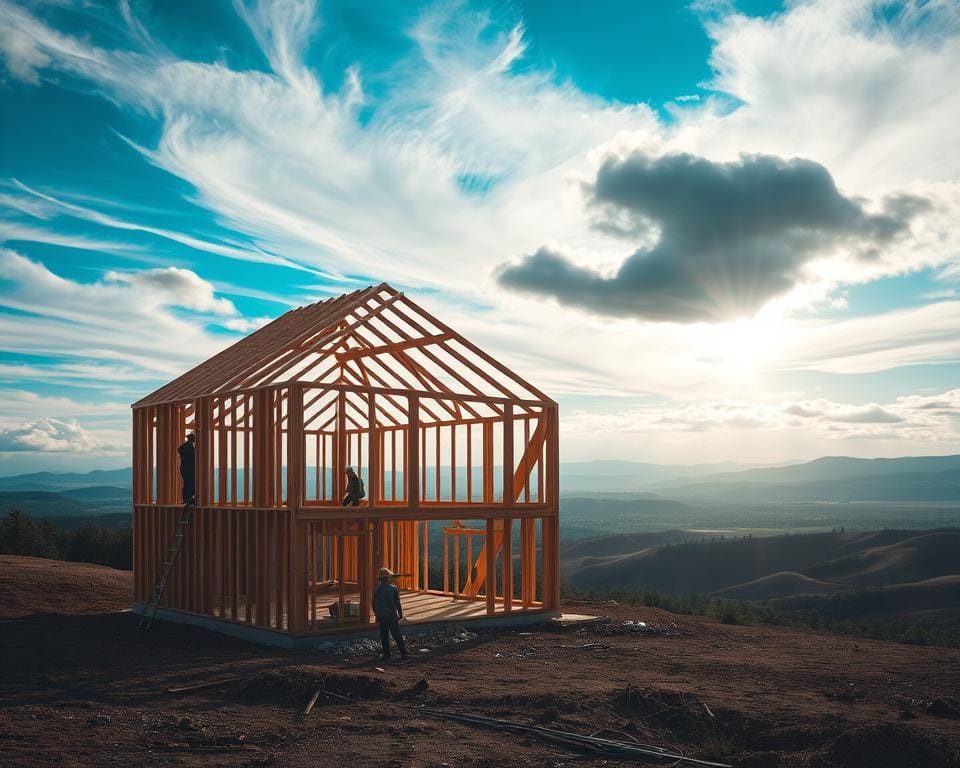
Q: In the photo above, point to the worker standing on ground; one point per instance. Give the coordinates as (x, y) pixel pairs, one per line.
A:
(355, 490)
(386, 606)
(188, 468)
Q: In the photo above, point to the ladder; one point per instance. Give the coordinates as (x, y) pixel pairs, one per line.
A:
(166, 567)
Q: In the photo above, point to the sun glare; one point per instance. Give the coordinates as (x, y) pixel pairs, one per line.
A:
(745, 347)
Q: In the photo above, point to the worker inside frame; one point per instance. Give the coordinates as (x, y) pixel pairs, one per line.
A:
(188, 468)
(386, 606)
(355, 490)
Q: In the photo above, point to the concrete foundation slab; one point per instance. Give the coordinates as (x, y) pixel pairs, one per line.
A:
(270, 637)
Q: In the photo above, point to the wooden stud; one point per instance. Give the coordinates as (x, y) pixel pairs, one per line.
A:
(490, 581)
(506, 565)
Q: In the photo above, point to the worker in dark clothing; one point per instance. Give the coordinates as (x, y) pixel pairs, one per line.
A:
(355, 490)
(386, 606)
(188, 468)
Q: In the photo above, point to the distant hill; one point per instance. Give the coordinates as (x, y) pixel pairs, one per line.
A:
(857, 559)
(937, 486)
(837, 468)
(623, 476)
(69, 503)
(933, 602)
(914, 559)
(781, 584)
(834, 479)
(99, 493)
(58, 481)
(41, 504)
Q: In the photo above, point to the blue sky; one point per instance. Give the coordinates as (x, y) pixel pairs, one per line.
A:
(744, 211)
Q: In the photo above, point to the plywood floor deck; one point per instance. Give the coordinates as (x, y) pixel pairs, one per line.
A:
(417, 607)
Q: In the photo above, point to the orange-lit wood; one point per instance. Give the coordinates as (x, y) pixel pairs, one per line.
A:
(370, 380)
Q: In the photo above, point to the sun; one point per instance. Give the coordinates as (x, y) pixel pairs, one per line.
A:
(744, 348)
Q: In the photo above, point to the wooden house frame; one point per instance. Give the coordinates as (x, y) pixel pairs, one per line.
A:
(459, 456)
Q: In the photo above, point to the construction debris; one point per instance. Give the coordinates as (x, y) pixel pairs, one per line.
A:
(203, 686)
(571, 620)
(593, 744)
(368, 646)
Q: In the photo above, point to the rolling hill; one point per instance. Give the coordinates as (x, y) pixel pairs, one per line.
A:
(57, 481)
(829, 479)
(774, 566)
(781, 584)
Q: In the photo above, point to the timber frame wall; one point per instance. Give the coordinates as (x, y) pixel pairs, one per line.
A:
(458, 454)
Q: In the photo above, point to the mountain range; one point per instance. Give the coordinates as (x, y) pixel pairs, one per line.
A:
(827, 479)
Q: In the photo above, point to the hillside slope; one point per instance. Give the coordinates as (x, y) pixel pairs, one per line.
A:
(781, 584)
(30, 585)
(861, 558)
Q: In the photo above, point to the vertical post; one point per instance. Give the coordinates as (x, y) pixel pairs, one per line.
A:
(222, 451)
(373, 457)
(446, 563)
(426, 555)
(412, 458)
(490, 587)
(528, 560)
(506, 564)
(551, 522)
(296, 480)
(363, 570)
(340, 447)
(487, 460)
(456, 565)
(201, 418)
(509, 492)
(341, 568)
(453, 463)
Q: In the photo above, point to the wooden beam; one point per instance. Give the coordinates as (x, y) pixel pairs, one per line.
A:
(358, 352)
(490, 577)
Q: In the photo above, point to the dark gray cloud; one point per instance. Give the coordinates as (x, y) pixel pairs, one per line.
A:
(732, 236)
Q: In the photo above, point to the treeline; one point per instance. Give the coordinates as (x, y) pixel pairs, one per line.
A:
(88, 543)
(788, 613)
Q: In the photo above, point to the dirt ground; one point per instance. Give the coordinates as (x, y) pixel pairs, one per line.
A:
(85, 689)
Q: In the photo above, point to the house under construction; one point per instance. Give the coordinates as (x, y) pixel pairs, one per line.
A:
(458, 454)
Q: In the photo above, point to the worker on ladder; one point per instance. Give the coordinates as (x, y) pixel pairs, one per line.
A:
(188, 468)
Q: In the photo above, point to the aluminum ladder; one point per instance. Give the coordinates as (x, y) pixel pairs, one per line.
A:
(166, 567)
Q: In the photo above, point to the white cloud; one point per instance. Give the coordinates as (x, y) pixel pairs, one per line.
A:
(129, 318)
(20, 403)
(182, 288)
(915, 419)
(47, 435)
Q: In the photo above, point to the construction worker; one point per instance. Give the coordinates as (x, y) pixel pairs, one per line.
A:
(188, 468)
(386, 606)
(355, 490)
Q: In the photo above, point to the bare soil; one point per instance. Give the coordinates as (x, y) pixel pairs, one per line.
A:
(85, 689)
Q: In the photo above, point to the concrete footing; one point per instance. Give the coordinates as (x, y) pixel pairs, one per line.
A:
(272, 637)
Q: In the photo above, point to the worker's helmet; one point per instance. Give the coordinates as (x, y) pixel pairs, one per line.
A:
(385, 573)
(348, 469)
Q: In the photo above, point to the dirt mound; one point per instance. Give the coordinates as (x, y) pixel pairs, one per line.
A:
(682, 713)
(883, 745)
(299, 683)
(30, 585)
